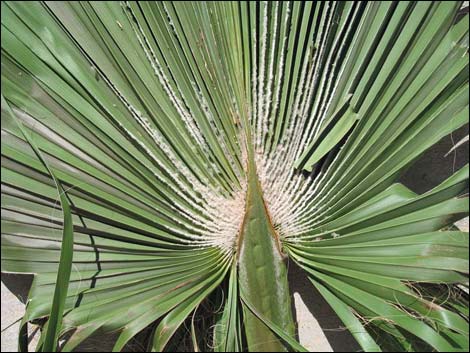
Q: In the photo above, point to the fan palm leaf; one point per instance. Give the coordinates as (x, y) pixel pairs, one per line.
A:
(155, 152)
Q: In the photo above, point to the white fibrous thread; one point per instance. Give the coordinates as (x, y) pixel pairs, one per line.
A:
(261, 82)
(281, 67)
(298, 203)
(223, 144)
(190, 121)
(268, 95)
(209, 216)
(211, 197)
(254, 92)
(219, 217)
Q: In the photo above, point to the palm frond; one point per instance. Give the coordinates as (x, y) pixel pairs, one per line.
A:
(199, 144)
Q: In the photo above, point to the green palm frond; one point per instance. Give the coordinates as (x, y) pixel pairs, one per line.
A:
(155, 152)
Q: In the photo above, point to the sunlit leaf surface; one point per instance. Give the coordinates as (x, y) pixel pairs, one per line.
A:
(188, 148)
